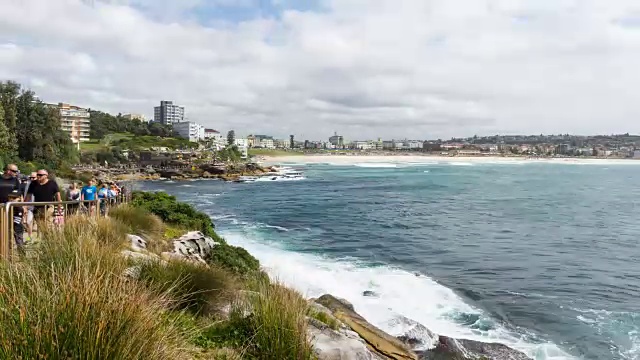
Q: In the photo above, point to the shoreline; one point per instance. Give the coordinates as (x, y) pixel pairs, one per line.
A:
(427, 159)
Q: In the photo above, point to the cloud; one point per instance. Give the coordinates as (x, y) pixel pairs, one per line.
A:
(366, 68)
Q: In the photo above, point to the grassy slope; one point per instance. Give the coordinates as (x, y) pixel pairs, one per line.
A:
(68, 297)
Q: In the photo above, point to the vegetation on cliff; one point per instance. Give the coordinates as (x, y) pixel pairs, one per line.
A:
(69, 298)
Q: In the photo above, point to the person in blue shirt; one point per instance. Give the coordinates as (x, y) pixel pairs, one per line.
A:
(88, 193)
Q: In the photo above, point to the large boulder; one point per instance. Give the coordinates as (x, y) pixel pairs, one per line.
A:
(460, 349)
(381, 343)
(413, 334)
(329, 344)
(194, 246)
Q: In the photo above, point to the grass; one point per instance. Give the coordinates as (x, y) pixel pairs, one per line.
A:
(199, 289)
(273, 152)
(93, 145)
(277, 324)
(70, 300)
(141, 222)
(324, 318)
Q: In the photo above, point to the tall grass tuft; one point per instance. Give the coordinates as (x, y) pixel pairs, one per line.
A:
(278, 325)
(139, 221)
(70, 301)
(196, 288)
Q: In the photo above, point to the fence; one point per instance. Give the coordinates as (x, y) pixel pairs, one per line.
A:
(48, 213)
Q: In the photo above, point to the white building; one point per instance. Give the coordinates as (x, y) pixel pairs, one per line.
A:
(189, 130)
(215, 138)
(267, 144)
(243, 146)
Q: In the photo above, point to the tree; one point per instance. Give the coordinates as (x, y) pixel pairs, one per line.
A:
(39, 138)
(231, 138)
(292, 143)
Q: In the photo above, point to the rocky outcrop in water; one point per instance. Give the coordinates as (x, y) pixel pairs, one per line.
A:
(417, 342)
(382, 344)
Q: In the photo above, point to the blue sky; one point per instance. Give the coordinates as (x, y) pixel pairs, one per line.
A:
(210, 12)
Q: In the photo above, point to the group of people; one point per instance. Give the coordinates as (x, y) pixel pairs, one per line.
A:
(106, 192)
(37, 187)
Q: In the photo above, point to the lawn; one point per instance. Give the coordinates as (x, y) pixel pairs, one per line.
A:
(273, 152)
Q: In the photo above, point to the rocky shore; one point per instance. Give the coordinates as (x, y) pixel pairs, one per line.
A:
(225, 172)
(336, 330)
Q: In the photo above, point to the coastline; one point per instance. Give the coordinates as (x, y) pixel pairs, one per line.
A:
(428, 158)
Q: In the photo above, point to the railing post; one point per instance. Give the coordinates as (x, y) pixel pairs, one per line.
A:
(4, 223)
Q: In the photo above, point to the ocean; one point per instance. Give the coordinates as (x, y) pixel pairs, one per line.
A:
(541, 257)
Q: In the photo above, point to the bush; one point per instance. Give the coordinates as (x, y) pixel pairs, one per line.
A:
(70, 300)
(235, 259)
(196, 288)
(175, 213)
(277, 326)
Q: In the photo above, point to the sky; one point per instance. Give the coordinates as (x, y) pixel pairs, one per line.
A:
(367, 69)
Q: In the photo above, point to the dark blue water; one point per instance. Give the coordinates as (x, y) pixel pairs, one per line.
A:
(542, 257)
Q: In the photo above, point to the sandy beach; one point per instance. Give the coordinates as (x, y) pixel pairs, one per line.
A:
(383, 160)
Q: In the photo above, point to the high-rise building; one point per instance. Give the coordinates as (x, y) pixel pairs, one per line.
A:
(75, 121)
(168, 113)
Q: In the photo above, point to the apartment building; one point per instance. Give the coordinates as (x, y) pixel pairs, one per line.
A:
(168, 113)
(75, 121)
(189, 130)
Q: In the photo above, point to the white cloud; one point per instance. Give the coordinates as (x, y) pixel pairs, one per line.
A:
(367, 68)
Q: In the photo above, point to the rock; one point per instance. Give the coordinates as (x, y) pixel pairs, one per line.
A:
(369, 293)
(137, 243)
(414, 334)
(460, 349)
(144, 256)
(132, 272)
(329, 344)
(194, 245)
(382, 344)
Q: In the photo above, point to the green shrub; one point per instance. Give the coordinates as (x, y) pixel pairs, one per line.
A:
(235, 259)
(70, 301)
(196, 288)
(173, 212)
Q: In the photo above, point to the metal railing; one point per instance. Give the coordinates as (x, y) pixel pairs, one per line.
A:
(47, 214)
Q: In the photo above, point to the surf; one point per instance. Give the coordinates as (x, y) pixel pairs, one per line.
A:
(393, 295)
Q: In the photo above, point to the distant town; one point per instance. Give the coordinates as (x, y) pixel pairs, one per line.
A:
(77, 121)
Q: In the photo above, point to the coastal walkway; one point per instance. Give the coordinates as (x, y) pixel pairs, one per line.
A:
(54, 214)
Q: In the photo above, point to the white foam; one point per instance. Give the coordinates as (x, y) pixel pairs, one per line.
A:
(401, 293)
(460, 163)
(376, 165)
(278, 178)
(281, 228)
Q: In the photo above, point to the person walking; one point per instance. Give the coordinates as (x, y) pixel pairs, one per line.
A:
(43, 190)
(29, 209)
(73, 194)
(88, 193)
(10, 192)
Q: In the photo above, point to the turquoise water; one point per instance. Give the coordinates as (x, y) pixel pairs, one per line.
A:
(541, 257)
